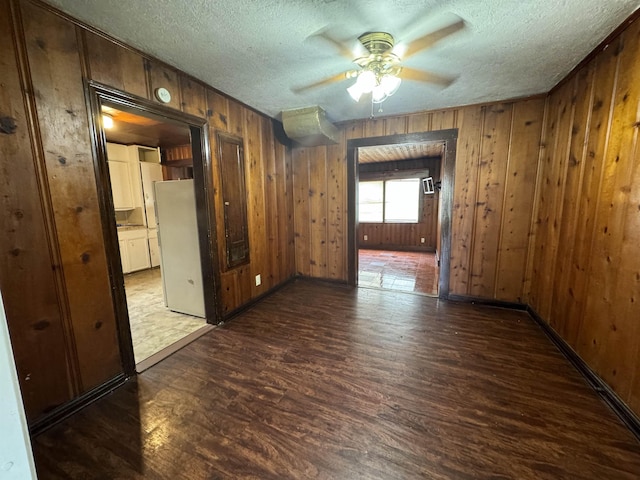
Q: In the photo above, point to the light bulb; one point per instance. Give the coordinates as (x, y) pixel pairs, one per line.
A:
(107, 121)
(367, 80)
(390, 84)
(355, 91)
(378, 94)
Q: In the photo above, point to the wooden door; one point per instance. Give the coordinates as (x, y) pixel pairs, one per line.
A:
(234, 197)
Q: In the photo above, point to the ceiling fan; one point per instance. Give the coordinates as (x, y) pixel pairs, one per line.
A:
(380, 70)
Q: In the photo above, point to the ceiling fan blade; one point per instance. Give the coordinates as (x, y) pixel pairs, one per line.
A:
(428, 77)
(430, 39)
(326, 81)
(344, 50)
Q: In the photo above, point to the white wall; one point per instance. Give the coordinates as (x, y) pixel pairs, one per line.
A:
(16, 459)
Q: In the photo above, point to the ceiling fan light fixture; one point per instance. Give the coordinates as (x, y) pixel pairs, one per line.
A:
(380, 70)
(355, 91)
(380, 87)
(390, 84)
(378, 95)
(367, 81)
(379, 64)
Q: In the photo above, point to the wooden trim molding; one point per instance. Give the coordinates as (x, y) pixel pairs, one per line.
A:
(206, 215)
(619, 407)
(64, 411)
(488, 302)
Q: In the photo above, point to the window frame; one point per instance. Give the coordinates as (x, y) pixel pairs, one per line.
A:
(391, 176)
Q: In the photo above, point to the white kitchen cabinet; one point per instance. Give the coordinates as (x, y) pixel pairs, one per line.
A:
(154, 247)
(118, 152)
(119, 173)
(134, 250)
(148, 154)
(131, 166)
(138, 250)
(126, 179)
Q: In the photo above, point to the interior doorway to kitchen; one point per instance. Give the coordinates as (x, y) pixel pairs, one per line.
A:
(144, 154)
(156, 146)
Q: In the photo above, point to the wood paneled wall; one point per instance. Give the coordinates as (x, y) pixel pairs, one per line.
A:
(29, 282)
(496, 167)
(267, 164)
(177, 155)
(53, 267)
(585, 266)
(269, 202)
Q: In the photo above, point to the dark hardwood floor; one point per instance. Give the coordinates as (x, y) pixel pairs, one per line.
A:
(325, 381)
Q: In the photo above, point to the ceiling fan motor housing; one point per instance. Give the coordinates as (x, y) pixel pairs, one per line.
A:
(377, 43)
(380, 60)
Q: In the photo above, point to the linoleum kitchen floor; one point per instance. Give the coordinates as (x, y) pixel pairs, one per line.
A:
(153, 326)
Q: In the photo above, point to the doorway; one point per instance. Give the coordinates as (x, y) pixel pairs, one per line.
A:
(401, 187)
(146, 148)
(398, 217)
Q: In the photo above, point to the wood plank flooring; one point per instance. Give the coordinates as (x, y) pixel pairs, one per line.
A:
(402, 271)
(330, 382)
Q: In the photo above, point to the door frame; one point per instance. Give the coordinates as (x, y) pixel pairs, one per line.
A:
(96, 94)
(445, 211)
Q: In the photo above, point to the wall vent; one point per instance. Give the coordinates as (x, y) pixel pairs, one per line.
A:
(309, 127)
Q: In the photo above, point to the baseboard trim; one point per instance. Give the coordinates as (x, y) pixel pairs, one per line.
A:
(73, 406)
(619, 407)
(489, 302)
(606, 393)
(243, 308)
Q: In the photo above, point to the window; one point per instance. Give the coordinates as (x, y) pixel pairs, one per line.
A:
(370, 209)
(389, 201)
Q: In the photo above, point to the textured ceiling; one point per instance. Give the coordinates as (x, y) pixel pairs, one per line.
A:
(258, 51)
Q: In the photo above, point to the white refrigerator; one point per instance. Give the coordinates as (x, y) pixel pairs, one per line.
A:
(175, 205)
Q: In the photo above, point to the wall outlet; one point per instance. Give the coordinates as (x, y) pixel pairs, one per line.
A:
(258, 280)
(421, 239)
(366, 237)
